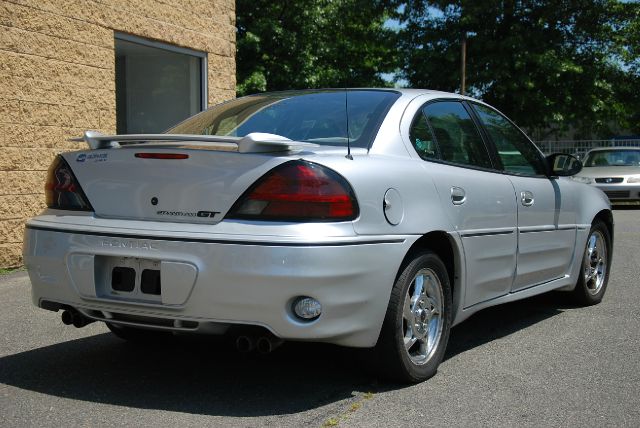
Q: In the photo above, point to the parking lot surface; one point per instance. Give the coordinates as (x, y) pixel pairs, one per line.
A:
(538, 362)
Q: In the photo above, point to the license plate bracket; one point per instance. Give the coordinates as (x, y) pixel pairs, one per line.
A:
(150, 282)
(128, 278)
(123, 279)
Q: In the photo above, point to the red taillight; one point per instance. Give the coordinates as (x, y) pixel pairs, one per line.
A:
(298, 191)
(62, 190)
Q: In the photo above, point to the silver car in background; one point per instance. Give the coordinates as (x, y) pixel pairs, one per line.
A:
(615, 171)
(364, 218)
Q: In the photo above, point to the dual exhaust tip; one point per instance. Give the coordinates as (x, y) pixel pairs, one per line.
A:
(75, 318)
(263, 344)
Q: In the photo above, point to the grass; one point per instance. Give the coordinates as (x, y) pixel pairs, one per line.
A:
(7, 271)
(331, 422)
(354, 407)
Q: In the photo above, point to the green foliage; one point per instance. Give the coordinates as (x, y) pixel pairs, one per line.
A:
(7, 271)
(548, 64)
(313, 43)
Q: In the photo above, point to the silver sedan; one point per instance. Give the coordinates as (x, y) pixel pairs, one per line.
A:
(365, 218)
(615, 171)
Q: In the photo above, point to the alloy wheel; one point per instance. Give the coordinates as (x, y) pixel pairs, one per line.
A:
(595, 262)
(422, 316)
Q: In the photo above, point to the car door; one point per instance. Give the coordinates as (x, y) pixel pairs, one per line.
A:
(546, 210)
(479, 200)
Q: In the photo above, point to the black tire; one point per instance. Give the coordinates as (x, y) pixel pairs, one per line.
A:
(590, 288)
(138, 335)
(412, 365)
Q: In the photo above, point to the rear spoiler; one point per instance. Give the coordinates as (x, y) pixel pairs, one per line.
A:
(255, 142)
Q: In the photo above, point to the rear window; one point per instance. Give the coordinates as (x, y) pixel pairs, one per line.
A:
(311, 116)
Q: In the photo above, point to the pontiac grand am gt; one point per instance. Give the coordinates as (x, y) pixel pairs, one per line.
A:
(365, 218)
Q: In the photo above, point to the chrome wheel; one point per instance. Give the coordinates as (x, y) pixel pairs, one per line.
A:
(422, 316)
(595, 262)
(414, 335)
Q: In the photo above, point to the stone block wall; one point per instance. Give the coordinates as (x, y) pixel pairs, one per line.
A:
(57, 79)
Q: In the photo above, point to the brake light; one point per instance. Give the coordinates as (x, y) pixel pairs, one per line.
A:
(298, 191)
(161, 156)
(62, 190)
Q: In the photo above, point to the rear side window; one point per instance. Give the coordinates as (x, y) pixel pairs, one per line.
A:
(422, 138)
(517, 153)
(444, 130)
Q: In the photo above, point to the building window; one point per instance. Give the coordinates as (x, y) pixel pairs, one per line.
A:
(157, 85)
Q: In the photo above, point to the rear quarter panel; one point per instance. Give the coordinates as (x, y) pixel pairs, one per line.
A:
(373, 175)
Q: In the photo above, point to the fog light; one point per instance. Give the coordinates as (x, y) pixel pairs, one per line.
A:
(307, 308)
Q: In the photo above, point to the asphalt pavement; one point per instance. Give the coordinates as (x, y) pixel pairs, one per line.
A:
(538, 362)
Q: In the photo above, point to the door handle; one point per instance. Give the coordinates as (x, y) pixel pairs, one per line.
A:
(458, 195)
(526, 198)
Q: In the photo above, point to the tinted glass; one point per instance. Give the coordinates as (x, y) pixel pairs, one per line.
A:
(456, 136)
(613, 158)
(517, 153)
(312, 116)
(422, 138)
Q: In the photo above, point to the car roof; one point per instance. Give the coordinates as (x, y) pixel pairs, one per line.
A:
(406, 94)
(403, 91)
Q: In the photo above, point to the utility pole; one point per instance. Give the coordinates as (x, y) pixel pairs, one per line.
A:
(463, 63)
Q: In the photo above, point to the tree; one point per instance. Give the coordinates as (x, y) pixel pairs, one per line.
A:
(548, 64)
(629, 43)
(313, 43)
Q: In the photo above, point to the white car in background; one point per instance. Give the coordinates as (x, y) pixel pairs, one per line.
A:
(364, 218)
(615, 171)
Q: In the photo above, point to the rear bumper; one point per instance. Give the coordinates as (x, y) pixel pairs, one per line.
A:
(210, 283)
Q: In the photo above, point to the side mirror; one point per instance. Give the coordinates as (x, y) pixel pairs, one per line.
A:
(563, 165)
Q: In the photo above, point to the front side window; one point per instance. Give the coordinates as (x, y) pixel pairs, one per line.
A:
(446, 132)
(517, 153)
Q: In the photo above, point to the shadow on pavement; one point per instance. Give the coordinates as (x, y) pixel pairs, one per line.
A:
(192, 376)
(500, 321)
(205, 376)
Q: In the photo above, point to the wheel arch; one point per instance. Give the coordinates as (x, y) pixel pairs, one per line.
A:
(606, 216)
(442, 244)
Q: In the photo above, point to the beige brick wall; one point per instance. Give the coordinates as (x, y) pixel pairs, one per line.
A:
(57, 78)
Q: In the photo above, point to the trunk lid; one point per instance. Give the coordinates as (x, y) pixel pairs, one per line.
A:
(200, 188)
